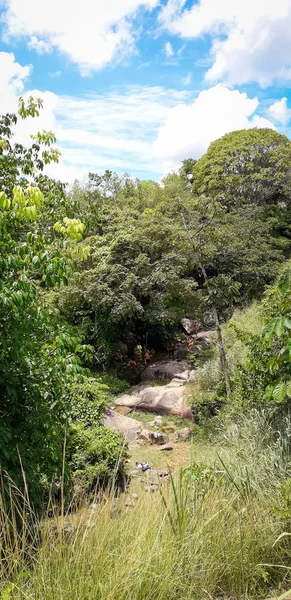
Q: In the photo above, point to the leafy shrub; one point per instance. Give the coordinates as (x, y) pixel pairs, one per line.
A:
(86, 401)
(114, 384)
(96, 456)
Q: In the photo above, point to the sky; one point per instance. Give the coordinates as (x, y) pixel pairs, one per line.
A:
(139, 85)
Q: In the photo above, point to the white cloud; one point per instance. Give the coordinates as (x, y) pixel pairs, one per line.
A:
(142, 129)
(115, 130)
(280, 112)
(189, 128)
(187, 80)
(91, 33)
(40, 46)
(13, 77)
(168, 49)
(251, 40)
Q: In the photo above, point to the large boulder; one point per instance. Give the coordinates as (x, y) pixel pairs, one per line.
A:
(209, 319)
(130, 428)
(188, 325)
(165, 370)
(164, 400)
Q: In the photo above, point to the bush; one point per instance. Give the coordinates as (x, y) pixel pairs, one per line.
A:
(96, 456)
(87, 401)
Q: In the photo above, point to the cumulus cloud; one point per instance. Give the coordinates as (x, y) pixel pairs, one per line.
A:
(168, 49)
(280, 112)
(90, 33)
(13, 77)
(40, 46)
(96, 132)
(147, 130)
(189, 128)
(251, 41)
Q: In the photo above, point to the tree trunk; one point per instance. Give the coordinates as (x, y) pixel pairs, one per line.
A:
(221, 347)
(222, 353)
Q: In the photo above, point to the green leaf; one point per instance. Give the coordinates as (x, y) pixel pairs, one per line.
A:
(279, 392)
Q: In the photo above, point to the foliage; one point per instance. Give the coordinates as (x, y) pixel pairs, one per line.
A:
(41, 356)
(246, 167)
(96, 456)
(87, 400)
(148, 243)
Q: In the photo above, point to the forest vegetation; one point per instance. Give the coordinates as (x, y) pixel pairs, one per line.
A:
(86, 271)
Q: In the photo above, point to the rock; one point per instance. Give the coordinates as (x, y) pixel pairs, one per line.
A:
(166, 448)
(159, 438)
(189, 325)
(176, 382)
(164, 370)
(169, 427)
(144, 435)
(123, 410)
(193, 375)
(183, 434)
(184, 376)
(155, 478)
(130, 428)
(163, 400)
(209, 319)
(158, 420)
(205, 336)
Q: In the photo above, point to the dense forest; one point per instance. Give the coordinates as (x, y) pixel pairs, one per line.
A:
(88, 273)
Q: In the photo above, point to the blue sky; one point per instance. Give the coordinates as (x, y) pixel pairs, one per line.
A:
(138, 85)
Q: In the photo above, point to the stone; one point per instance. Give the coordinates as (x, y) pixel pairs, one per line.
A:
(205, 336)
(209, 319)
(188, 325)
(144, 435)
(184, 375)
(193, 375)
(164, 370)
(183, 434)
(159, 438)
(158, 420)
(176, 382)
(166, 448)
(130, 428)
(123, 410)
(169, 427)
(163, 400)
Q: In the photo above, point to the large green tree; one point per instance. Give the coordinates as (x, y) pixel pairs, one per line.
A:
(250, 166)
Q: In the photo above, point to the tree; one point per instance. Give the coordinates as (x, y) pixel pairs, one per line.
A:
(41, 356)
(246, 167)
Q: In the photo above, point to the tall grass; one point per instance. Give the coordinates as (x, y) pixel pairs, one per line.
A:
(207, 533)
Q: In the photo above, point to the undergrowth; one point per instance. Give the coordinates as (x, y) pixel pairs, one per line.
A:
(212, 531)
